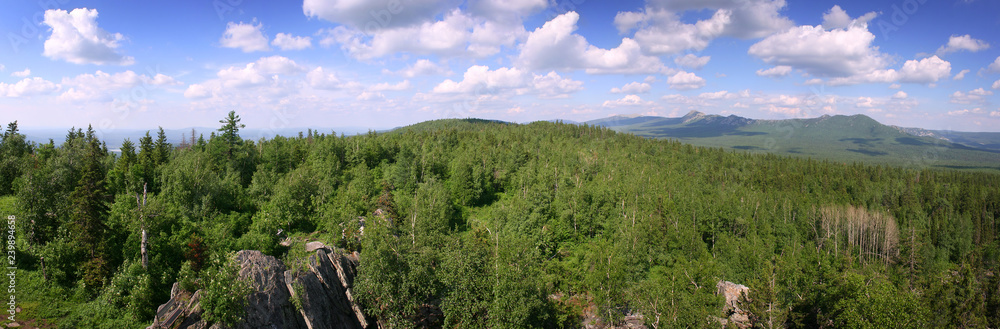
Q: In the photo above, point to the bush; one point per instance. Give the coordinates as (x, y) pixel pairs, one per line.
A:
(223, 295)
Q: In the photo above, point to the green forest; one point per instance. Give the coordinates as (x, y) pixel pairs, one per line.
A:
(499, 225)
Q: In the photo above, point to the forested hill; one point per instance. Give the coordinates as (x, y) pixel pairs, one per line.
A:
(836, 138)
(504, 226)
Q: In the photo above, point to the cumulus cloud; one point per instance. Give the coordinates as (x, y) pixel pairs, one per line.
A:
(385, 86)
(372, 16)
(996, 84)
(777, 71)
(28, 87)
(632, 88)
(966, 111)
(927, 70)
(506, 9)
(659, 28)
(973, 96)
(627, 101)
(836, 18)
(962, 42)
(420, 67)
(995, 66)
(287, 41)
(835, 53)
(691, 61)
(960, 75)
(554, 46)
(262, 72)
(899, 95)
(685, 81)
(480, 80)
(21, 74)
(101, 86)
(243, 36)
(77, 39)
(457, 34)
(320, 78)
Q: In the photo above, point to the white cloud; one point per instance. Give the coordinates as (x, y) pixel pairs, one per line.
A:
(21, 74)
(927, 70)
(385, 86)
(836, 18)
(289, 42)
(506, 9)
(318, 78)
(375, 15)
(996, 84)
(995, 114)
(480, 80)
(458, 34)
(554, 46)
(102, 86)
(835, 53)
(420, 67)
(899, 95)
(246, 37)
(77, 39)
(259, 72)
(2, 67)
(895, 86)
(966, 111)
(660, 30)
(370, 96)
(995, 66)
(722, 94)
(691, 61)
(269, 71)
(633, 88)
(278, 65)
(777, 71)
(960, 75)
(685, 81)
(973, 96)
(627, 101)
(962, 42)
(28, 87)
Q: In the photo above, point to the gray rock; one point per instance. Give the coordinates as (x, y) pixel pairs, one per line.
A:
(323, 291)
(732, 292)
(314, 245)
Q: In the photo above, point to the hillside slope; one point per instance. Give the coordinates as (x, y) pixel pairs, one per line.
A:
(856, 138)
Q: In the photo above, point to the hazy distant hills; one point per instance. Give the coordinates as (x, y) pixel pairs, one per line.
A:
(836, 138)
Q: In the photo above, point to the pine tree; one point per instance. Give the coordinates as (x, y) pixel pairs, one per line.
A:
(230, 132)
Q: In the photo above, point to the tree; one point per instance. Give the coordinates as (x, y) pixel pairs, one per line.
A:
(12, 148)
(87, 213)
(230, 132)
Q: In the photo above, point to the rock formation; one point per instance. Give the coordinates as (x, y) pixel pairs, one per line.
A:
(732, 292)
(318, 296)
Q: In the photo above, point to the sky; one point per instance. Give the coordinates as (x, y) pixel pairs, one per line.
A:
(380, 64)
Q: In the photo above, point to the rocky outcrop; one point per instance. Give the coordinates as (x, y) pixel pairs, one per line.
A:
(732, 292)
(316, 296)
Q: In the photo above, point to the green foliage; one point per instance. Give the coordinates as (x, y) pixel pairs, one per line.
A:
(485, 224)
(223, 294)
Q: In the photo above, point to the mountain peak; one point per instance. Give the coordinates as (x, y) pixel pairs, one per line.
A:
(692, 116)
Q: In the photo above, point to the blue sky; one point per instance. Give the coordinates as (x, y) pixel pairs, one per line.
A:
(386, 63)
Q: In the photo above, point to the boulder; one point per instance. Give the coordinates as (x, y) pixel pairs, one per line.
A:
(732, 292)
(323, 290)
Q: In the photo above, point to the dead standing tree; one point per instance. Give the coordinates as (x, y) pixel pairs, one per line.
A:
(144, 243)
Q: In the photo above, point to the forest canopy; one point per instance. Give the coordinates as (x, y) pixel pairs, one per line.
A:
(504, 226)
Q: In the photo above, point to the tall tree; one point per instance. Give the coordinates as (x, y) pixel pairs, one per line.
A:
(231, 132)
(87, 213)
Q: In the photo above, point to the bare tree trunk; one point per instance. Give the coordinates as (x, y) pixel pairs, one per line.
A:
(143, 245)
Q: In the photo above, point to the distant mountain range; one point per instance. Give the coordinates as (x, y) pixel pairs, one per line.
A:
(836, 138)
